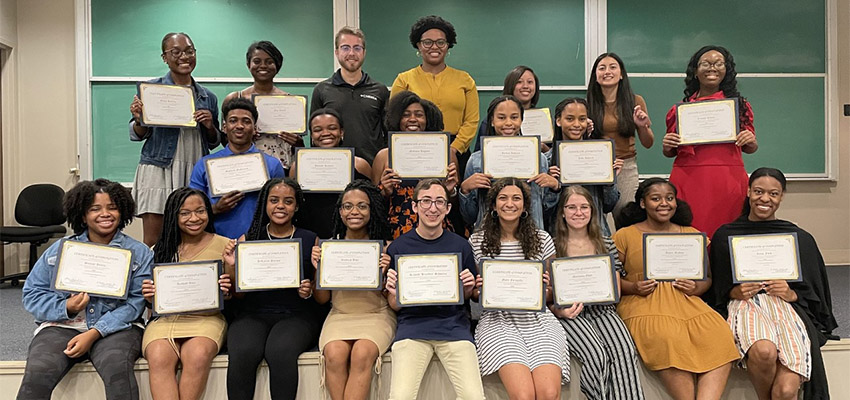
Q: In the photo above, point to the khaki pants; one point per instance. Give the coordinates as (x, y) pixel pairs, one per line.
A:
(411, 359)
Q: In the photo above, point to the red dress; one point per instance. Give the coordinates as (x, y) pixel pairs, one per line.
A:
(711, 177)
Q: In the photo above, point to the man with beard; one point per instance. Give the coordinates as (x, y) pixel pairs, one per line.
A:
(359, 99)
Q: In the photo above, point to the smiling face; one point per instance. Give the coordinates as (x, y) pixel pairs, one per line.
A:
(350, 53)
(182, 64)
(525, 89)
(764, 196)
(281, 204)
(325, 131)
(413, 118)
(509, 204)
(102, 218)
(577, 212)
(711, 69)
(239, 126)
(355, 211)
(507, 118)
(573, 121)
(659, 202)
(192, 218)
(432, 217)
(262, 66)
(435, 54)
(608, 72)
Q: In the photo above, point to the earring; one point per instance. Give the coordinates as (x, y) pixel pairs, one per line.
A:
(494, 214)
(524, 214)
(448, 53)
(418, 54)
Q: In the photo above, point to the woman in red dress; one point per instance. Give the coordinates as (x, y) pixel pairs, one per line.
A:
(711, 177)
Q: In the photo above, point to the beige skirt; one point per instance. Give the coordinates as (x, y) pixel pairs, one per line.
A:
(185, 326)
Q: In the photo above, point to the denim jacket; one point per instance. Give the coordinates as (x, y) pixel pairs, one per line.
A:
(161, 142)
(472, 205)
(106, 315)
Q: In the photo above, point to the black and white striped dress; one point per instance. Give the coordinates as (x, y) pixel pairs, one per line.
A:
(528, 338)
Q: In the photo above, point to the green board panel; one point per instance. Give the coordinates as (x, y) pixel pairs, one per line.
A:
(114, 156)
(126, 35)
(763, 35)
(789, 119)
(493, 37)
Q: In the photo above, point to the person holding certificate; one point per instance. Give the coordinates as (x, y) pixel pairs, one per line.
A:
(275, 325)
(191, 340)
(361, 325)
(233, 210)
(264, 61)
(407, 112)
(595, 333)
(74, 327)
(326, 132)
(527, 349)
(170, 152)
(504, 118)
(675, 332)
(778, 326)
(425, 330)
(617, 114)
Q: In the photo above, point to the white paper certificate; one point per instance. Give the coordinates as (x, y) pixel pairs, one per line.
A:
(588, 280)
(511, 156)
(428, 279)
(711, 121)
(670, 256)
(419, 155)
(167, 105)
(324, 170)
(268, 264)
(538, 122)
(758, 258)
(96, 269)
(350, 264)
(186, 287)
(586, 162)
(242, 172)
(281, 113)
(512, 285)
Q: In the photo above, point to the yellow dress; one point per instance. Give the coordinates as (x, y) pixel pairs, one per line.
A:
(670, 328)
(208, 325)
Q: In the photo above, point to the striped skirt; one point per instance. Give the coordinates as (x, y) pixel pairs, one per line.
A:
(766, 317)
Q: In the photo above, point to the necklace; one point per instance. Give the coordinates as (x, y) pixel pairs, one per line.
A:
(270, 234)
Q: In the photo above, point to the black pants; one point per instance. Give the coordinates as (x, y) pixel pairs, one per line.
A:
(280, 339)
(113, 357)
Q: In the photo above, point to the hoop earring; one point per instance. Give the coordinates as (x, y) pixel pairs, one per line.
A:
(418, 54)
(494, 214)
(523, 215)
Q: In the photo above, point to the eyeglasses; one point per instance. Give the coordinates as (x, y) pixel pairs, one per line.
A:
(427, 43)
(585, 208)
(347, 49)
(716, 64)
(176, 53)
(183, 214)
(426, 203)
(362, 207)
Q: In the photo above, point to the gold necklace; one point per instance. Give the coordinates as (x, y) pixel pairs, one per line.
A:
(270, 234)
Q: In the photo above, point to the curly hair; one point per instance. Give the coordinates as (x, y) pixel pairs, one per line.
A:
(400, 102)
(239, 103)
(729, 84)
(513, 77)
(491, 109)
(257, 230)
(165, 249)
(760, 173)
(270, 49)
(562, 230)
(77, 201)
(633, 213)
(559, 134)
(378, 225)
(625, 102)
(425, 24)
(491, 245)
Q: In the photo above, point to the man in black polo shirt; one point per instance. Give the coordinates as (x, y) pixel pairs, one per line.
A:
(359, 99)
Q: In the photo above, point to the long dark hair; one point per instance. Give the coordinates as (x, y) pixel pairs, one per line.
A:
(257, 230)
(378, 225)
(491, 109)
(559, 134)
(759, 173)
(562, 231)
(512, 79)
(729, 84)
(526, 232)
(165, 249)
(625, 102)
(633, 213)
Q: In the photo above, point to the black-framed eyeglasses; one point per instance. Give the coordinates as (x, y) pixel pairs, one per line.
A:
(716, 64)
(427, 43)
(176, 53)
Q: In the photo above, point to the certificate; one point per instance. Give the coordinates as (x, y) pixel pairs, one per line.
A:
(428, 279)
(420, 155)
(711, 121)
(350, 264)
(587, 279)
(511, 156)
(324, 170)
(281, 113)
(167, 105)
(187, 287)
(757, 258)
(512, 285)
(538, 122)
(267, 265)
(586, 162)
(242, 172)
(97, 269)
(671, 256)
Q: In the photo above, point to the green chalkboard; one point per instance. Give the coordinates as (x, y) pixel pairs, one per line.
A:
(763, 35)
(493, 37)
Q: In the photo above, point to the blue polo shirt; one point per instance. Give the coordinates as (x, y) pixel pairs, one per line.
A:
(235, 222)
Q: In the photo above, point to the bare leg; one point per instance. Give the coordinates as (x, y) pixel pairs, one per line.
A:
(337, 354)
(679, 384)
(787, 384)
(162, 364)
(761, 367)
(152, 227)
(710, 385)
(363, 356)
(196, 355)
(518, 381)
(547, 382)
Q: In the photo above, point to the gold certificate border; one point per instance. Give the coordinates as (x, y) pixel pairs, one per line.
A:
(256, 98)
(258, 155)
(296, 243)
(214, 265)
(535, 140)
(609, 144)
(541, 302)
(648, 237)
(60, 266)
(550, 132)
(188, 123)
(732, 103)
(377, 245)
(349, 152)
(612, 278)
(455, 260)
(791, 237)
(445, 136)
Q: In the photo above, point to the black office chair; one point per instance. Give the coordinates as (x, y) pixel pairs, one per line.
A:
(39, 207)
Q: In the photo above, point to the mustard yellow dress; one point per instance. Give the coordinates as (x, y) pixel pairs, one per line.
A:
(670, 328)
(208, 325)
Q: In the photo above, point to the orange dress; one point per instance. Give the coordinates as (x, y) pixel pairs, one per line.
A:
(670, 328)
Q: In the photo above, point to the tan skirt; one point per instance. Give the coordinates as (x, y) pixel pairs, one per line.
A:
(185, 326)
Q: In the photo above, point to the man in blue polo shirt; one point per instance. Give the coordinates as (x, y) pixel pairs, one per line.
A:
(234, 210)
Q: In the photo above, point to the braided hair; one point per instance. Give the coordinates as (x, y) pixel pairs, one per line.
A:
(165, 249)
(257, 230)
(378, 225)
